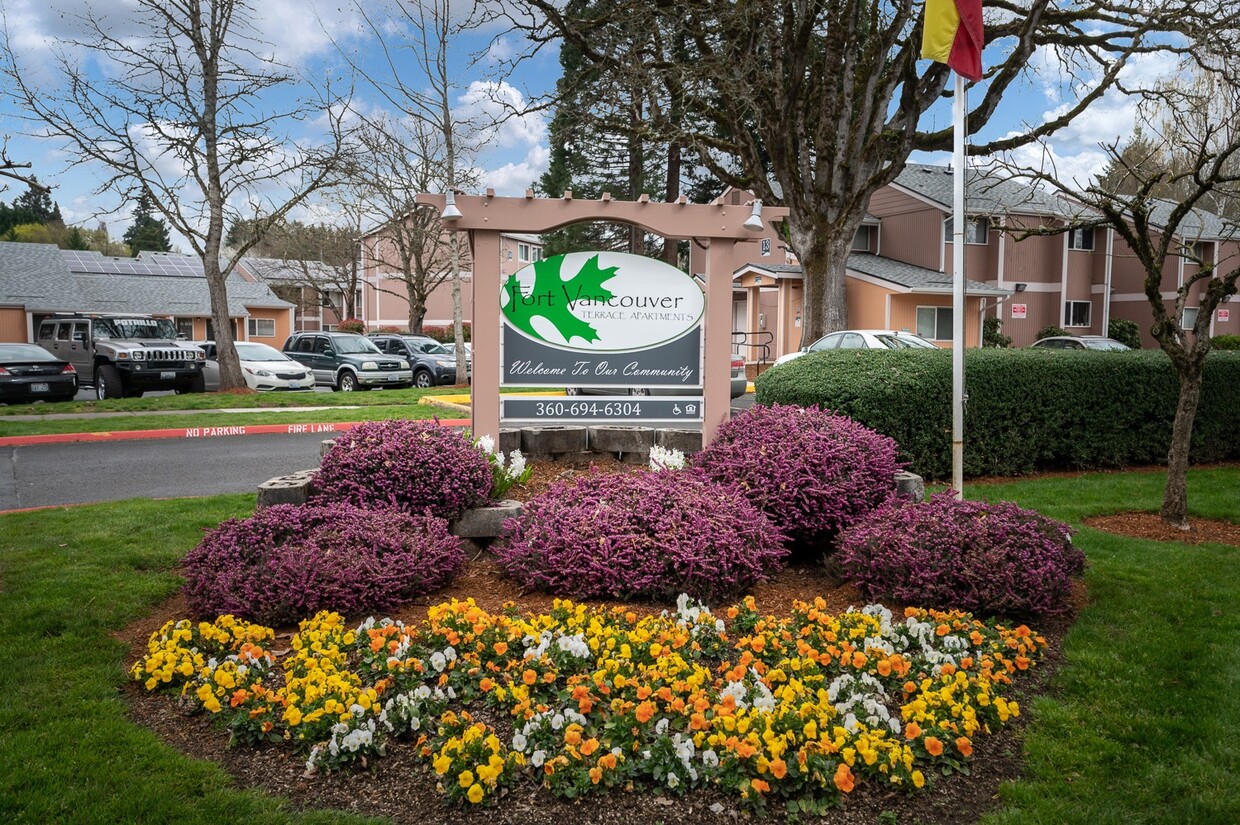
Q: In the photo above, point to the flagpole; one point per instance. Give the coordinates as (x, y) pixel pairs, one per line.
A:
(958, 278)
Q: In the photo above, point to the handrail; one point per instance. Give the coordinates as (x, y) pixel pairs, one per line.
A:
(761, 344)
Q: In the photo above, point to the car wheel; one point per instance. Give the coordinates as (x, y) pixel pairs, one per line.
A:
(348, 382)
(422, 379)
(572, 390)
(108, 383)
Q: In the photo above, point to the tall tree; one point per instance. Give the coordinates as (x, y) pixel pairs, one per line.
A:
(1185, 167)
(822, 102)
(147, 232)
(320, 258)
(37, 202)
(189, 111)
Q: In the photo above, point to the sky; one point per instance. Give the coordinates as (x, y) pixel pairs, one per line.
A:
(317, 38)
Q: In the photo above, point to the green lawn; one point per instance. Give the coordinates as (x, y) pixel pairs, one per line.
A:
(217, 401)
(1140, 725)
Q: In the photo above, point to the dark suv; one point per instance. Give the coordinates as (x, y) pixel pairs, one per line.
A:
(433, 363)
(347, 362)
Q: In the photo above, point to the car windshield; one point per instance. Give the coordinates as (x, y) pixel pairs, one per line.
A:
(424, 345)
(354, 343)
(904, 342)
(438, 349)
(24, 352)
(130, 328)
(1106, 345)
(259, 352)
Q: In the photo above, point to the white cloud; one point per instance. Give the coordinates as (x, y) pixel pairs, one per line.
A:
(513, 179)
(497, 111)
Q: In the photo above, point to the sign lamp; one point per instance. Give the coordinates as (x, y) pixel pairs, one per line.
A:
(754, 222)
(450, 212)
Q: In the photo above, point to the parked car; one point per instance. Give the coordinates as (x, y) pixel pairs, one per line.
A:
(1096, 342)
(31, 373)
(433, 363)
(123, 356)
(861, 339)
(347, 362)
(740, 383)
(264, 368)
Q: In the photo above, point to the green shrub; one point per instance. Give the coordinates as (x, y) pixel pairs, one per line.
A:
(992, 333)
(1125, 331)
(1050, 331)
(1028, 409)
(1225, 342)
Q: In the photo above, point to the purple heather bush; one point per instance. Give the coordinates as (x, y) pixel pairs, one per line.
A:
(640, 535)
(288, 562)
(413, 465)
(811, 471)
(990, 559)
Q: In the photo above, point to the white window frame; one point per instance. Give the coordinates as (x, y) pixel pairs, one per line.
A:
(523, 252)
(864, 247)
(939, 313)
(1186, 324)
(535, 253)
(180, 322)
(979, 223)
(1077, 236)
(1067, 313)
(255, 327)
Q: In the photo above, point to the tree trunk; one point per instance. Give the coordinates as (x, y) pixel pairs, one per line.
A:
(1175, 497)
(824, 258)
(671, 247)
(417, 313)
(458, 316)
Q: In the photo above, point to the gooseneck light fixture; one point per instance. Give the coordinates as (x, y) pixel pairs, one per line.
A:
(450, 212)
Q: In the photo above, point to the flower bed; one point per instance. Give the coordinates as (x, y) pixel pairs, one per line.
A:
(802, 709)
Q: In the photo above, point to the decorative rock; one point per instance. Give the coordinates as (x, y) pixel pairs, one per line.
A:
(325, 445)
(509, 439)
(550, 442)
(485, 522)
(290, 489)
(910, 486)
(687, 441)
(622, 440)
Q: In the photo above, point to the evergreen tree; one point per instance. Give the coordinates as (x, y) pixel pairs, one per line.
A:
(146, 232)
(37, 203)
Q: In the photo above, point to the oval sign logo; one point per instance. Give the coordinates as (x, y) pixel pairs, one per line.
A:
(602, 302)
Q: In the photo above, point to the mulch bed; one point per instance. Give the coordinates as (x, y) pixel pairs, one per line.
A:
(1151, 526)
(402, 787)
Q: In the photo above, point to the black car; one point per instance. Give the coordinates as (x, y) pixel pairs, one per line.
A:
(30, 373)
(433, 363)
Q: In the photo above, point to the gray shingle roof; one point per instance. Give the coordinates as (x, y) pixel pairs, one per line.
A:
(984, 193)
(1197, 224)
(915, 278)
(38, 277)
(278, 269)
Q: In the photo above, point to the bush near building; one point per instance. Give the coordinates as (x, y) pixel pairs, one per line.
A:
(1027, 409)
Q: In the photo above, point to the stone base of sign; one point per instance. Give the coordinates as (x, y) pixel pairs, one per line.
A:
(290, 489)
(910, 486)
(687, 441)
(543, 443)
(325, 445)
(630, 444)
(485, 522)
(509, 439)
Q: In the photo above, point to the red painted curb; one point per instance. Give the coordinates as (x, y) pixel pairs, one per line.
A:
(197, 432)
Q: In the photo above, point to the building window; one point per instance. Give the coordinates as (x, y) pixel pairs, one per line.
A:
(1081, 238)
(1202, 252)
(262, 328)
(861, 240)
(1077, 313)
(976, 231)
(536, 252)
(934, 323)
(185, 327)
(523, 252)
(1190, 317)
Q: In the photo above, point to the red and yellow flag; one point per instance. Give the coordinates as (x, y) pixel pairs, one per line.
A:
(953, 35)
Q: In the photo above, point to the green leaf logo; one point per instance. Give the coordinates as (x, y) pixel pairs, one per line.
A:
(552, 298)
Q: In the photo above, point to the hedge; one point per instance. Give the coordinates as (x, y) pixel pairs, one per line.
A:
(1027, 409)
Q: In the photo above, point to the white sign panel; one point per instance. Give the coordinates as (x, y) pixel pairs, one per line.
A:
(1224, 315)
(1020, 311)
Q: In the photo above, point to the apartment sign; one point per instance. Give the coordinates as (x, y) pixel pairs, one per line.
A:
(1020, 311)
(1224, 315)
(601, 319)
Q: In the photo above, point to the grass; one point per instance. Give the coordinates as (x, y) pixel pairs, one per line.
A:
(1140, 725)
(155, 421)
(1143, 723)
